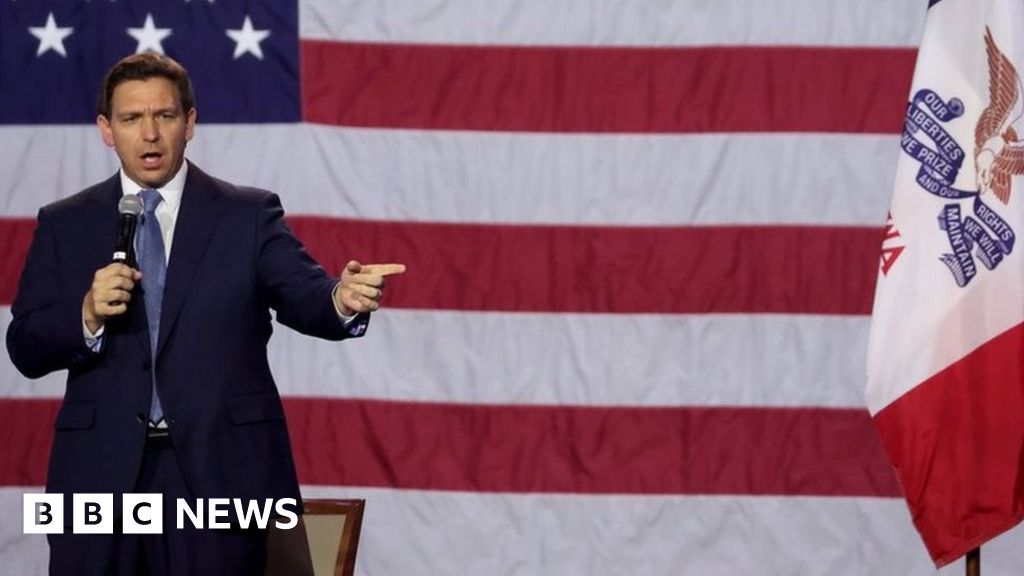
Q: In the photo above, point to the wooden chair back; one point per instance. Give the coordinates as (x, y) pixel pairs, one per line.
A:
(323, 544)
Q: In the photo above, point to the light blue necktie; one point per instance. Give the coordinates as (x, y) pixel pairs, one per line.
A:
(153, 265)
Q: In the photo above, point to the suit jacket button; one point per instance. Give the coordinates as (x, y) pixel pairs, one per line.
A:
(140, 418)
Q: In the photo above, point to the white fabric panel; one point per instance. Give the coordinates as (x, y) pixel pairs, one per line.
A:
(616, 22)
(79, 159)
(585, 359)
(415, 532)
(439, 176)
(20, 554)
(565, 359)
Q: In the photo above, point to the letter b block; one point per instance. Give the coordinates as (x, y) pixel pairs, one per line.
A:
(43, 513)
(93, 514)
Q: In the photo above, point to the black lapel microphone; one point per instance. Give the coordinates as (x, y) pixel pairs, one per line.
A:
(130, 208)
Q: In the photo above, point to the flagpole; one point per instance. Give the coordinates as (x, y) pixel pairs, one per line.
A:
(974, 562)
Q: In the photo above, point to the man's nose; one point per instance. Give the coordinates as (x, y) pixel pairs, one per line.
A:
(150, 131)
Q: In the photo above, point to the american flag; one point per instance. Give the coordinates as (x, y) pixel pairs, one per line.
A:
(642, 241)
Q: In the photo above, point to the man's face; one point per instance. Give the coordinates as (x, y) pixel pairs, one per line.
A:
(148, 130)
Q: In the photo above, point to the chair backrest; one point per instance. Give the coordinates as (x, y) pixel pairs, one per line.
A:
(323, 544)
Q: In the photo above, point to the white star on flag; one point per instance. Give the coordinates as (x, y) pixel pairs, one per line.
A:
(247, 39)
(149, 36)
(50, 37)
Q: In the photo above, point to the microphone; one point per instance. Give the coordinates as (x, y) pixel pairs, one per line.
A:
(130, 207)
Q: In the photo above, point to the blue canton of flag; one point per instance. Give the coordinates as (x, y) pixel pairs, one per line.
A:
(243, 56)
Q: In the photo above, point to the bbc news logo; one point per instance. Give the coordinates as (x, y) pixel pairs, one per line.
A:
(144, 513)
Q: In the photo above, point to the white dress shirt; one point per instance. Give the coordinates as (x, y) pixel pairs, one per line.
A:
(166, 211)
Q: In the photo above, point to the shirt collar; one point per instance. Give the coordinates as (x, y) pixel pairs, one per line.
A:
(171, 192)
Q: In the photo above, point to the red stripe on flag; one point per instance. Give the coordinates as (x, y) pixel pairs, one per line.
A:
(15, 239)
(957, 441)
(26, 426)
(727, 269)
(724, 269)
(684, 450)
(601, 89)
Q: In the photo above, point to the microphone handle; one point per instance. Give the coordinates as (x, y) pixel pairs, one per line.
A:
(124, 249)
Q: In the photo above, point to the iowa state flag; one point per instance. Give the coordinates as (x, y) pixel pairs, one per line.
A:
(946, 352)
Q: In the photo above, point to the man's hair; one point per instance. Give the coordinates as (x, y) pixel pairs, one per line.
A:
(143, 67)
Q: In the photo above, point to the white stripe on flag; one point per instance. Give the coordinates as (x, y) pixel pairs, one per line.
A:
(565, 359)
(21, 554)
(403, 532)
(439, 176)
(580, 359)
(616, 22)
(413, 533)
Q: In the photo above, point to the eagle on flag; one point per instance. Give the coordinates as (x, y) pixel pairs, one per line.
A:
(998, 152)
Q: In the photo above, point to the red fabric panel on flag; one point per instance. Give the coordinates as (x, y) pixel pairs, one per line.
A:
(26, 426)
(742, 269)
(957, 440)
(636, 450)
(607, 89)
(679, 450)
(725, 269)
(15, 238)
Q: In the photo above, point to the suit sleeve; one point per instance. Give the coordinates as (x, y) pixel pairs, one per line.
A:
(300, 291)
(45, 333)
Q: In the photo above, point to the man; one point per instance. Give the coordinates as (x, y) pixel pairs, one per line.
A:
(169, 389)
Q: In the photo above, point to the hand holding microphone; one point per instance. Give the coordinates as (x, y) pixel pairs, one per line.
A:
(112, 285)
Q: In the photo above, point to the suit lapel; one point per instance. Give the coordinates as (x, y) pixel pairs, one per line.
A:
(197, 219)
(102, 218)
(103, 222)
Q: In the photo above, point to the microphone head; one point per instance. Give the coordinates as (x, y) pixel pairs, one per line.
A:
(130, 204)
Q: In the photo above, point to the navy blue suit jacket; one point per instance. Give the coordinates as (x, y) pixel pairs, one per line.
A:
(233, 259)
